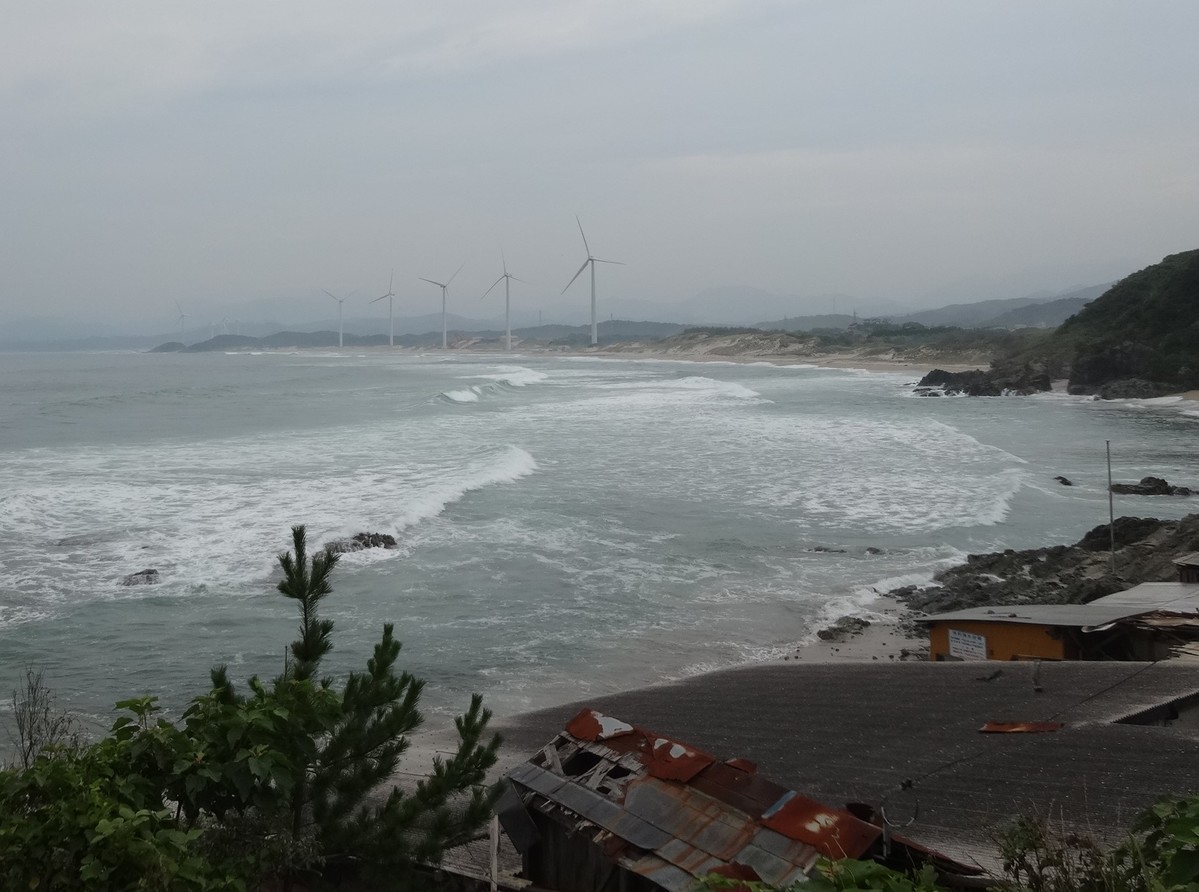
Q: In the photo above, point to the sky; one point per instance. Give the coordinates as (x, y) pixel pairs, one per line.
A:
(910, 152)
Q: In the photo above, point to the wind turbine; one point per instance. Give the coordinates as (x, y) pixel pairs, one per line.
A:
(592, 260)
(443, 286)
(340, 301)
(506, 278)
(182, 319)
(390, 295)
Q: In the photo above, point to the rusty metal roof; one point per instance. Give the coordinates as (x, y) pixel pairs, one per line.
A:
(672, 813)
(1020, 727)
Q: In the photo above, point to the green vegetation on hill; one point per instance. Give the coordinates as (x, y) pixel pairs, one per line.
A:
(1146, 326)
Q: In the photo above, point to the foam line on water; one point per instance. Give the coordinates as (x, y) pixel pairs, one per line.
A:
(211, 517)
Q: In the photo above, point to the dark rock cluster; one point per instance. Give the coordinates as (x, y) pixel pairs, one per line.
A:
(141, 577)
(361, 541)
(976, 382)
(1062, 574)
(844, 628)
(1152, 486)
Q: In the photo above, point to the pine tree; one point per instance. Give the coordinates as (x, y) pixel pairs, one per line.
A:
(361, 748)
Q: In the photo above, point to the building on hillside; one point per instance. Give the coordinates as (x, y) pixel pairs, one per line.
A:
(1149, 622)
(610, 807)
(1188, 567)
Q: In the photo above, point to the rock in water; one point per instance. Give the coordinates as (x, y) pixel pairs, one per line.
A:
(996, 382)
(142, 577)
(361, 541)
(1152, 486)
(1064, 481)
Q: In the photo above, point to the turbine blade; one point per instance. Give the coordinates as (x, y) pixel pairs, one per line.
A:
(391, 280)
(585, 245)
(430, 281)
(451, 278)
(330, 293)
(514, 279)
(379, 298)
(493, 284)
(617, 262)
(576, 275)
(505, 261)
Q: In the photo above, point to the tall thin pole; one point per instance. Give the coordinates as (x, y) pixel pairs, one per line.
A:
(1111, 507)
(507, 311)
(443, 340)
(391, 322)
(594, 328)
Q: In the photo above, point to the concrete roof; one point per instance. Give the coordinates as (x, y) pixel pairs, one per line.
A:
(853, 732)
(1188, 560)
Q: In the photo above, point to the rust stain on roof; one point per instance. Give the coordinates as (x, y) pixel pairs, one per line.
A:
(833, 833)
(1020, 727)
(672, 813)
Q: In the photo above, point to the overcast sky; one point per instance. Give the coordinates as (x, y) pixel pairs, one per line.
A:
(922, 151)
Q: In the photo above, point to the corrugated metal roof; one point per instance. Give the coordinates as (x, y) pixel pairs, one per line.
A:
(1188, 560)
(1070, 615)
(1176, 597)
(666, 810)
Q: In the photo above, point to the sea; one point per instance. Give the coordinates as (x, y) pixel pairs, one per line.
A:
(567, 526)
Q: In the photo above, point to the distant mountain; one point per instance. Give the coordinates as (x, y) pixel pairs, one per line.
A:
(967, 315)
(612, 331)
(839, 321)
(1047, 314)
(745, 305)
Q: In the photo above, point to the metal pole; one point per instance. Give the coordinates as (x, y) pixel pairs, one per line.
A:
(494, 846)
(1111, 508)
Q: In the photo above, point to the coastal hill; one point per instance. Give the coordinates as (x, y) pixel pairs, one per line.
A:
(1138, 339)
(1144, 327)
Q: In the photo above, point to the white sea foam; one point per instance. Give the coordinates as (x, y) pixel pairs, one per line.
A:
(462, 396)
(214, 517)
(513, 376)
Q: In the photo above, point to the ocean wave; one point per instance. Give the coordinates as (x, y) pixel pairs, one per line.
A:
(697, 386)
(213, 517)
(513, 376)
(462, 396)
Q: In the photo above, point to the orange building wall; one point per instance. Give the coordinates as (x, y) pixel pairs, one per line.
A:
(1006, 641)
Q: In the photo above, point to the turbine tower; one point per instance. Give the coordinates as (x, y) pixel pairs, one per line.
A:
(506, 278)
(443, 286)
(390, 295)
(182, 319)
(340, 301)
(592, 261)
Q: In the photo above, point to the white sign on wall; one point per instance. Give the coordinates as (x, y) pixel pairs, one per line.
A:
(967, 645)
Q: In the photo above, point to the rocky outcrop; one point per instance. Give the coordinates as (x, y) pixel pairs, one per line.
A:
(843, 629)
(1152, 486)
(141, 577)
(360, 542)
(995, 382)
(1129, 389)
(1062, 574)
